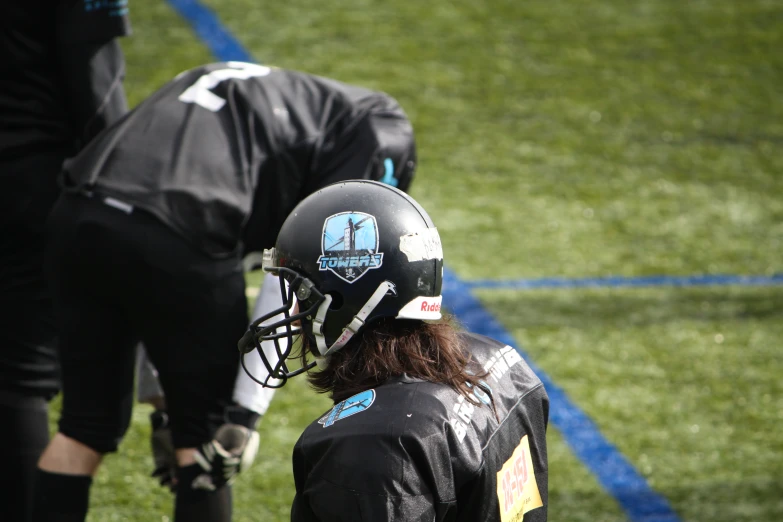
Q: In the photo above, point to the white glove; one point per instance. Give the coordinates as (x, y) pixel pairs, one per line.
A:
(233, 449)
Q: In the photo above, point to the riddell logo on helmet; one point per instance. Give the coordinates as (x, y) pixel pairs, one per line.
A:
(430, 306)
(421, 307)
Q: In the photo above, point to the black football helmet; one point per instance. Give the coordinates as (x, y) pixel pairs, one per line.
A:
(349, 254)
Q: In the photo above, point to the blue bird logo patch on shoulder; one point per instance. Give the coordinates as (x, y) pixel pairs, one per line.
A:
(350, 406)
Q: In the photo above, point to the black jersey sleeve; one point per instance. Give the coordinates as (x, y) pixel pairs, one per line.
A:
(91, 63)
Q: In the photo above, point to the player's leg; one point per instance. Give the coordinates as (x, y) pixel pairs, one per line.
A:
(202, 311)
(248, 394)
(21, 443)
(251, 400)
(90, 287)
(28, 371)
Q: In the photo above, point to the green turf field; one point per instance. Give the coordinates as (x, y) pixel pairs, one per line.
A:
(561, 138)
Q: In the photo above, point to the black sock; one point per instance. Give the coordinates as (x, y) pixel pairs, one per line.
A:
(199, 505)
(61, 498)
(23, 439)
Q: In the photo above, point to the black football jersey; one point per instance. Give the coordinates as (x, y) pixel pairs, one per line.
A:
(223, 152)
(411, 450)
(60, 73)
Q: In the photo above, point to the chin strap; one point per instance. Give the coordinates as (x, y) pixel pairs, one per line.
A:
(350, 330)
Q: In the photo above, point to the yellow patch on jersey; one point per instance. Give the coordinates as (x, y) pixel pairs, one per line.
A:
(517, 487)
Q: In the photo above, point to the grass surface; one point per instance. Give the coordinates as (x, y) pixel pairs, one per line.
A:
(613, 137)
(685, 382)
(561, 138)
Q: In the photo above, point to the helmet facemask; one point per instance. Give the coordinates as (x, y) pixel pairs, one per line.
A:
(305, 325)
(274, 337)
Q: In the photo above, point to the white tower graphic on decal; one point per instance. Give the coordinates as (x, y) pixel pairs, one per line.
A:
(349, 235)
(349, 239)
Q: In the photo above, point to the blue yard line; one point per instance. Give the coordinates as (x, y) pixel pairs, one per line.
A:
(207, 26)
(604, 460)
(627, 282)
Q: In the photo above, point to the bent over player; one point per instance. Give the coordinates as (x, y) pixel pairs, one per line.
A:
(429, 422)
(147, 244)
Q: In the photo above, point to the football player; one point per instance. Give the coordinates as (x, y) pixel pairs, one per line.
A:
(429, 422)
(146, 245)
(61, 73)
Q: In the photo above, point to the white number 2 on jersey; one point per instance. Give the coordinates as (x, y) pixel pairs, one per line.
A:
(200, 94)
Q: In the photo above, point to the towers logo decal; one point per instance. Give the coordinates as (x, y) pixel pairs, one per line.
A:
(349, 245)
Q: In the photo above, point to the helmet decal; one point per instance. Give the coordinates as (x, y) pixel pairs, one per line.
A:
(422, 245)
(349, 245)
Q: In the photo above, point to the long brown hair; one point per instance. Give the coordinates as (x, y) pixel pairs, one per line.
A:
(432, 352)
